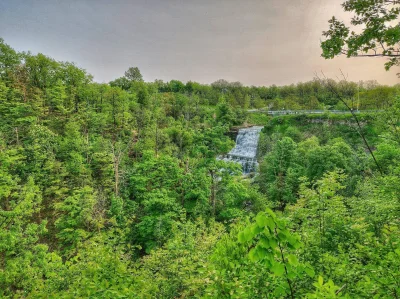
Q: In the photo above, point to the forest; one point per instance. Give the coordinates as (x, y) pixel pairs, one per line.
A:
(115, 190)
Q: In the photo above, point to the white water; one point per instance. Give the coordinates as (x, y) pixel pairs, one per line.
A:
(245, 151)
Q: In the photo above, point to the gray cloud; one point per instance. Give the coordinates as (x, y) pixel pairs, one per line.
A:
(256, 42)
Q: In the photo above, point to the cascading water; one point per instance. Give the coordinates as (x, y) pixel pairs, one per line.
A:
(245, 150)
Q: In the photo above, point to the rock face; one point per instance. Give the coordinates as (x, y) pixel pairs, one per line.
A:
(245, 151)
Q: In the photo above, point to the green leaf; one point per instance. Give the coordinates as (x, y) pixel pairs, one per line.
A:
(273, 243)
(267, 262)
(278, 269)
(320, 280)
(310, 271)
(261, 252)
(293, 260)
(291, 274)
(241, 237)
(264, 242)
(261, 220)
(256, 229)
(271, 223)
(253, 256)
(279, 292)
(248, 234)
(271, 213)
(293, 241)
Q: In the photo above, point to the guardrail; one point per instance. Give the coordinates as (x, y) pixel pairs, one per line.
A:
(291, 112)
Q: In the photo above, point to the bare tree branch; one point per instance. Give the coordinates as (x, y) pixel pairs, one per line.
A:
(335, 92)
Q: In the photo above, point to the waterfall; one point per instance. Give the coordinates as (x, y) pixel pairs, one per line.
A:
(245, 150)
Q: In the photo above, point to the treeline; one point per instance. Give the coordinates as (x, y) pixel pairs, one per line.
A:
(316, 94)
(43, 73)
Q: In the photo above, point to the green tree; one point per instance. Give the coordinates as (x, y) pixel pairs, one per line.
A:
(379, 35)
(23, 259)
(280, 172)
(122, 82)
(9, 60)
(170, 271)
(81, 215)
(133, 74)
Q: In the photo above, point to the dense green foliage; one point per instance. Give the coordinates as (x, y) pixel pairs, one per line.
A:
(114, 190)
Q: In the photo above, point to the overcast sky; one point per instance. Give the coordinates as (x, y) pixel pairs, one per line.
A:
(256, 42)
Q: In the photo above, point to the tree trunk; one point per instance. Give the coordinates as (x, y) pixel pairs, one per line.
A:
(213, 189)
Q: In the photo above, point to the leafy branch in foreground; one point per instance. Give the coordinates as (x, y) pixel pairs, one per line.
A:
(273, 245)
(334, 91)
(379, 37)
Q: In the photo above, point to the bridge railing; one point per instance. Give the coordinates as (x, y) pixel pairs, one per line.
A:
(291, 112)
